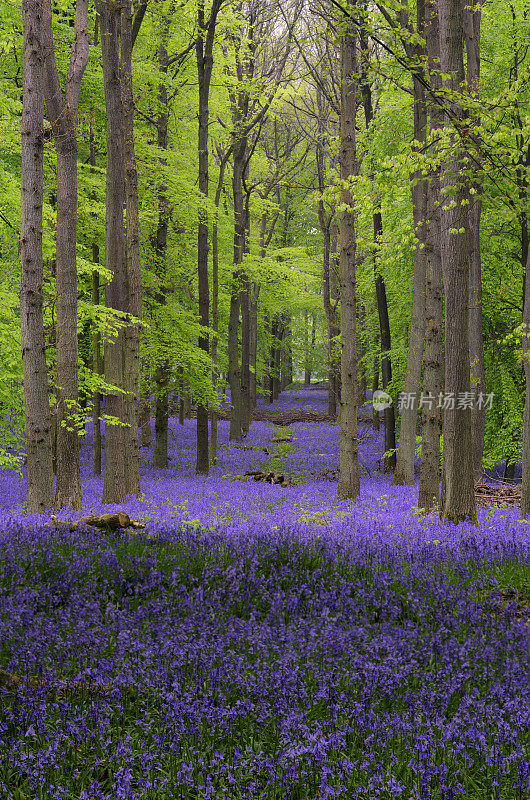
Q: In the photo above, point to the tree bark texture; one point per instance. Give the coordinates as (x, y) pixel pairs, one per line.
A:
(97, 367)
(36, 404)
(325, 221)
(472, 19)
(404, 472)
(234, 371)
(380, 286)
(349, 483)
(163, 369)
(525, 489)
(458, 494)
(62, 114)
(114, 481)
(133, 279)
(429, 490)
(204, 55)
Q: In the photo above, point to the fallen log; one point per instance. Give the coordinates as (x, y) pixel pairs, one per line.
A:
(113, 522)
(506, 494)
(277, 478)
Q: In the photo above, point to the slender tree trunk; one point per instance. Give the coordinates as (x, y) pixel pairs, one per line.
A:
(39, 496)
(404, 472)
(204, 56)
(380, 286)
(245, 352)
(349, 483)
(375, 387)
(114, 482)
(253, 354)
(215, 327)
(160, 455)
(144, 419)
(97, 366)
(215, 305)
(325, 221)
(458, 495)
(472, 20)
(234, 372)
(62, 113)
(429, 491)
(525, 490)
(162, 372)
(133, 278)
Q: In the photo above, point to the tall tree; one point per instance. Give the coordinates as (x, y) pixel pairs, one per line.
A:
(133, 278)
(114, 486)
(458, 494)
(162, 372)
(123, 292)
(404, 472)
(472, 16)
(37, 408)
(349, 482)
(62, 114)
(204, 54)
(380, 285)
(429, 489)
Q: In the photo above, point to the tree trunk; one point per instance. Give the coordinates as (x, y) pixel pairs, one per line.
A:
(380, 286)
(133, 278)
(98, 369)
(472, 20)
(458, 494)
(36, 404)
(62, 113)
(162, 371)
(253, 354)
(97, 365)
(68, 486)
(144, 420)
(234, 372)
(160, 456)
(349, 483)
(429, 491)
(204, 55)
(525, 490)
(215, 305)
(244, 300)
(114, 481)
(375, 387)
(404, 472)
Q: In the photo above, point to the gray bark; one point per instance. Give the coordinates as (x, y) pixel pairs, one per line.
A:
(36, 404)
(458, 494)
(404, 472)
(429, 490)
(133, 279)
(349, 482)
(62, 113)
(472, 21)
(114, 485)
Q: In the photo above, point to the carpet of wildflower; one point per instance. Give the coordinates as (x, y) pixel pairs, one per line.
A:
(261, 641)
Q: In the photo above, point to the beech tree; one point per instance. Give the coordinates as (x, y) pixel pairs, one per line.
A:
(38, 425)
(458, 495)
(349, 481)
(62, 114)
(204, 55)
(123, 292)
(429, 489)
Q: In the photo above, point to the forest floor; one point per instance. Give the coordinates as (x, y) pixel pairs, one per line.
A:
(264, 641)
